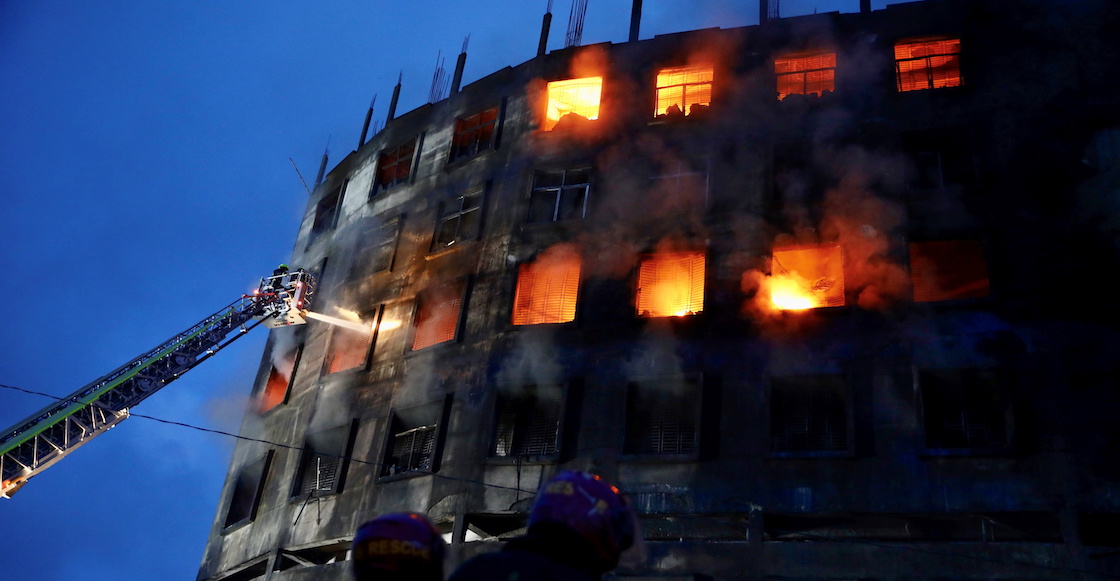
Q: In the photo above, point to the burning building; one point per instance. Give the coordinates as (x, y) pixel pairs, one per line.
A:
(825, 296)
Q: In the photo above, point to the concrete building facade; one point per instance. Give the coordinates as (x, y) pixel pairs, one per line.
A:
(827, 297)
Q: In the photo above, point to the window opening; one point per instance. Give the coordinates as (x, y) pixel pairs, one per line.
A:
(378, 256)
(547, 290)
(683, 91)
(662, 417)
(678, 179)
(578, 98)
(411, 449)
(527, 423)
(323, 465)
(946, 270)
(964, 409)
(808, 414)
(807, 277)
(349, 347)
(313, 556)
(671, 284)
(805, 74)
(395, 166)
(437, 318)
(280, 378)
(459, 220)
(927, 64)
(247, 491)
(559, 195)
(326, 212)
(474, 134)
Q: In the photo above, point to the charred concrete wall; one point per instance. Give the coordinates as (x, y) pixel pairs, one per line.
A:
(964, 432)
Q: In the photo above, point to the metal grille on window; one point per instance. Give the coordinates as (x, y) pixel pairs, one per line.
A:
(474, 134)
(683, 91)
(963, 409)
(661, 419)
(459, 221)
(930, 64)
(559, 195)
(808, 415)
(322, 461)
(547, 291)
(412, 450)
(528, 424)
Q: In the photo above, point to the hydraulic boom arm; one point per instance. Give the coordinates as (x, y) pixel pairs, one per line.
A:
(46, 437)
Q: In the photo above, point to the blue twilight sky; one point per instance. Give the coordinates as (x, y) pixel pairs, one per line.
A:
(144, 170)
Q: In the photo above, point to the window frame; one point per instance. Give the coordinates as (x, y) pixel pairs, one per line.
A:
(558, 191)
(432, 416)
(928, 67)
(335, 198)
(549, 124)
(686, 113)
(261, 466)
(994, 380)
(345, 434)
(376, 244)
(451, 292)
(804, 73)
(328, 356)
(635, 432)
(264, 388)
(516, 397)
(474, 145)
(652, 257)
(537, 295)
(380, 184)
(460, 209)
(814, 382)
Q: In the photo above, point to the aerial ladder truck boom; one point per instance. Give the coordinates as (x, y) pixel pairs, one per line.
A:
(52, 433)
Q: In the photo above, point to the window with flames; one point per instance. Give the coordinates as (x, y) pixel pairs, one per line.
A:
(927, 64)
(527, 422)
(805, 74)
(946, 270)
(807, 277)
(683, 91)
(437, 318)
(394, 166)
(671, 284)
(348, 349)
(279, 381)
(547, 290)
(578, 97)
(474, 134)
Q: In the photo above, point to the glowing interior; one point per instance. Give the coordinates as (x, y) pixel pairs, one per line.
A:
(806, 74)
(671, 284)
(683, 87)
(807, 278)
(436, 321)
(348, 348)
(928, 64)
(547, 292)
(274, 390)
(573, 96)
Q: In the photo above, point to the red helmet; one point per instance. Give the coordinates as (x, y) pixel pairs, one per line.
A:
(592, 508)
(398, 546)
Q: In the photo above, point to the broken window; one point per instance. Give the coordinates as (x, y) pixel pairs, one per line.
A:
(683, 91)
(413, 443)
(572, 100)
(807, 277)
(805, 74)
(326, 211)
(311, 556)
(349, 347)
(378, 256)
(437, 317)
(547, 290)
(809, 413)
(394, 166)
(527, 422)
(662, 417)
(946, 270)
(247, 491)
(559, 195)
(322, 466)
(280, 377)
(671, 284)
(965, 410)
(927, 64)
(459, 220)
(474, 134)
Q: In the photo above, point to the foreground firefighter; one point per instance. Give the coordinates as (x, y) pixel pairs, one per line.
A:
(402, 546)
(578, 528)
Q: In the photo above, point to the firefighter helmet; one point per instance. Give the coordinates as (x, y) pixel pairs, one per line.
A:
(398, 546)
(592, 508)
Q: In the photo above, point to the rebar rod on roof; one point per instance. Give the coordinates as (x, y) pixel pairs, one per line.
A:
(575, 23)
